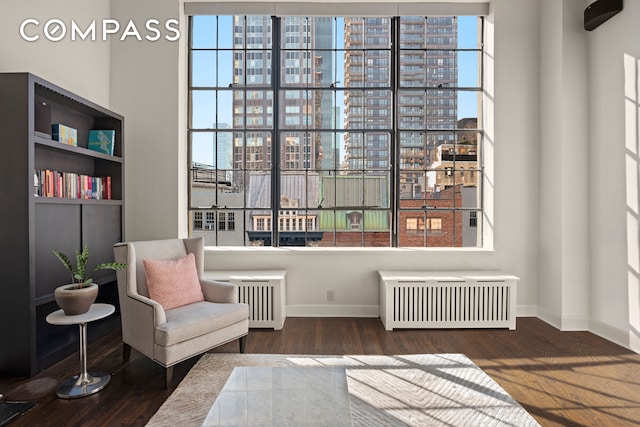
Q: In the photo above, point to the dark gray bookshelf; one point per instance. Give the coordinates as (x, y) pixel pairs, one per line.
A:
(31, 226)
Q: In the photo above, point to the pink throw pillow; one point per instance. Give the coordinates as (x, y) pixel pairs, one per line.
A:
(173, 283)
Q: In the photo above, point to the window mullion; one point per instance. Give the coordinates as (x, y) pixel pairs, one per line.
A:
(394, 144)
(275, 138)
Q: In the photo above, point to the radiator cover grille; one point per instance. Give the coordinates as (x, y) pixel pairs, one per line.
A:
(460, 303)
(260, 297)
(264, 291)
(447, 302)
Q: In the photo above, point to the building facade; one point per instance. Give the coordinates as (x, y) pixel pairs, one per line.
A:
(427, 66)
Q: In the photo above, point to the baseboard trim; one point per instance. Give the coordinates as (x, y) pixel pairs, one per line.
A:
(547, 316)
(526, 311)
(610, 333)
(339, 310)
(562, 323)
(334, 310)
(574, 324)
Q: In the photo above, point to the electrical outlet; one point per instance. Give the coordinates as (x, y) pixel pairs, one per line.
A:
(331, 296)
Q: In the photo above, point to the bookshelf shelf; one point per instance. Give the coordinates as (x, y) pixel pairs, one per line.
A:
(69, 201)
(33, 225)
(55, 145)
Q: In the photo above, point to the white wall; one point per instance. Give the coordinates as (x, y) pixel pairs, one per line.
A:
(516, 119)
(551, 49)
(574, 171)
(564, 281)
(614, 53)
(145, 89)
(79, 66)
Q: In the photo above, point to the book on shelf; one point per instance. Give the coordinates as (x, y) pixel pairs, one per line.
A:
(102, 141)
(50, 183)
(64, 134)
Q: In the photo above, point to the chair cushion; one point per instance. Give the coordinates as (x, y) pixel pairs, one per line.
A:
(191, 321)
(173, 283)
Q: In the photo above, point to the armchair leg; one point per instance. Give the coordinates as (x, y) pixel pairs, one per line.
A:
(243, 341)
(126, 352)
(168, 376)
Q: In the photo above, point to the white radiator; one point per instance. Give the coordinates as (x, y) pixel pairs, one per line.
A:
(447, 300)
(263, 291)
(260, 297)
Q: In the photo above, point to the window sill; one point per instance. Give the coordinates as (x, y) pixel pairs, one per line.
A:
(270, 249)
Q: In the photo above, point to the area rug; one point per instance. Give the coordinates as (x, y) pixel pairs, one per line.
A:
(11, 410)
(408, 390)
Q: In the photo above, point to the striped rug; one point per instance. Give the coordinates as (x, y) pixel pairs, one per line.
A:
(408, 390)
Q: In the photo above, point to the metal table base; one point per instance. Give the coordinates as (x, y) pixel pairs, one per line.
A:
(85, 383)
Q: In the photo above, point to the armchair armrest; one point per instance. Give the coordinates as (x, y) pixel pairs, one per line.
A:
(219, 291)
(159, 316)
(143, 315)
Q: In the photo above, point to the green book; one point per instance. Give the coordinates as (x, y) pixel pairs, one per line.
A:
(102, 141)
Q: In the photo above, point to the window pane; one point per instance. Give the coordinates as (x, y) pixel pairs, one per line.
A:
(226, 74)
(259, 190)
(299, 151)
(252, 68)
(433, 228)
(471, 228)
(354, 67)
(331, 151)
(204, 29)
(226, 31)
(413, 68)
(203, 109)
(355, 191)
(468, 37)
(255, 153)
(259, 109)
(354, 103)
(203, 64)
(471, 197)
(225, 116)
(311, 109)
(299, 191)
(203, 148)
(468, 69)
(468, 108)
(377, 68)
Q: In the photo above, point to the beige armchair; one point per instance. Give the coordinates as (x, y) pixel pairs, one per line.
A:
(171, 336)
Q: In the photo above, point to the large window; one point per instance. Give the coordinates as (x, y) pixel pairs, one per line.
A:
(348, 131)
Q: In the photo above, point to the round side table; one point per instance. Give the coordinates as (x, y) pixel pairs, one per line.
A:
(85, 383)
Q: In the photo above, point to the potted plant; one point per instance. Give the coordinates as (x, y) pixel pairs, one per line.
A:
(77, 297)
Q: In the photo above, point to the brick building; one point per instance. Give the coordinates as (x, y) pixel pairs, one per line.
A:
(432, 222)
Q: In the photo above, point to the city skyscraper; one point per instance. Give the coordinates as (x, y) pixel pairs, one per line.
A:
(427, 67)
(306, 61)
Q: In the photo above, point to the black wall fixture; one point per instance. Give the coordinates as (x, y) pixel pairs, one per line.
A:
(600, 11)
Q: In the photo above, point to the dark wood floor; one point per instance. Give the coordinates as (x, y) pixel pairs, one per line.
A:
(561, 378)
